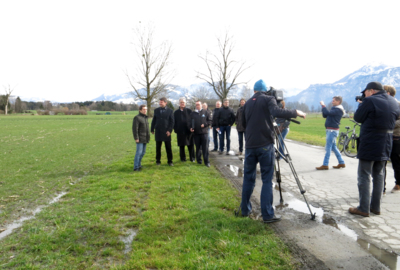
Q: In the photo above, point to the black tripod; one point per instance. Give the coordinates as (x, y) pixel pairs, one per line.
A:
(286, 157)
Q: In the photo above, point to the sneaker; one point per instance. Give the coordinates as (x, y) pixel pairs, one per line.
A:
(396, 189)
(208, 165)
(214, 150)
(323, 167)
(274, 219)
(171, 164)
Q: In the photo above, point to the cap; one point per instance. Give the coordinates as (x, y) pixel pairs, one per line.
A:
(373, 85)
(260, 86)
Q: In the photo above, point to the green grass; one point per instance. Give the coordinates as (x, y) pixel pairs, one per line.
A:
(183, 215)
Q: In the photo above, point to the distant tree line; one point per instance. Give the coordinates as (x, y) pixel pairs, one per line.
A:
(19, 106)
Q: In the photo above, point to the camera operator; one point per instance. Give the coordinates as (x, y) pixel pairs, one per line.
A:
(257, 122)
(378, 113)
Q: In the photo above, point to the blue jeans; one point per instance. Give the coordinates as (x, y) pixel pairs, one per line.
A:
(266, 157)
(367, 168)
(281, 138)
(331, 136)
(240, 136)
(140, 151)
(227, 130)
(215, 137)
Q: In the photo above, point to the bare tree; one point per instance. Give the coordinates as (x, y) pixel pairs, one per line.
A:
(247, 92)
(152, 74)
(8, 91)
(222, 71)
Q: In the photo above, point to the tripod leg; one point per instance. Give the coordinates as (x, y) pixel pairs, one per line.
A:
(278, 178)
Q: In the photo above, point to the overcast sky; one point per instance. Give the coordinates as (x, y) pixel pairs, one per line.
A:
(78, 50)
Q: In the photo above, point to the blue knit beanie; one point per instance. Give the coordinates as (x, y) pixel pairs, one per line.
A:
(260, 86)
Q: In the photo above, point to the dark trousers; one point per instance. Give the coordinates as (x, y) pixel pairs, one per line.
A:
(167, 149)
(395, 157)
(201, 142)
(215, 137)
(225, 130)
(240, 136)
(183, 154)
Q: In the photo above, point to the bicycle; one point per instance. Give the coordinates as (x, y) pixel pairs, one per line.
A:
(349, 142)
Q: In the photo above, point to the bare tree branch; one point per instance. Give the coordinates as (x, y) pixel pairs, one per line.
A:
(222, 72)
(8, 91)
(152, 73)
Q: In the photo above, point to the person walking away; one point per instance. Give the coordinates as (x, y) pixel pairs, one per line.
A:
(239, 126)
(199, 124)
(141, 135)
(257, 121)
(332, 131)
(377, 114)
(184, 136)
(214, 125)
(283, 126)
(395, 154)
(225, 120)
(205, 107)
(162, 126)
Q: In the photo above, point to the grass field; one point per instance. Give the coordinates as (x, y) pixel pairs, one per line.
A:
(182, 216)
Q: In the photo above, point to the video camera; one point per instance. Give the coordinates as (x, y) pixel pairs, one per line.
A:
(277, 94)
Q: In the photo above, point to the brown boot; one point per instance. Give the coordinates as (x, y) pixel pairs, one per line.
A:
(323, 167)
(355, 211)
(339, 166)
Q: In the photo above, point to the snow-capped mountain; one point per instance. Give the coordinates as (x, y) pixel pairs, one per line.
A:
(348, 87)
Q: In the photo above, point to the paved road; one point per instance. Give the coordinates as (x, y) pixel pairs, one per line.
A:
(331, 193)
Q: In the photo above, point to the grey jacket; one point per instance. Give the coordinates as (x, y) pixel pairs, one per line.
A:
(140, 128)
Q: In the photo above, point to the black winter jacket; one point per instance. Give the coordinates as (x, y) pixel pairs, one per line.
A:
(377, 114)
(199, 118)
(215, 116)
(239, 115)
(226, 117)
(162, 122)
(257, 119)
(140, 128)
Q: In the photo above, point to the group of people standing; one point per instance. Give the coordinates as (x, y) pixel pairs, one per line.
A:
(192, 128)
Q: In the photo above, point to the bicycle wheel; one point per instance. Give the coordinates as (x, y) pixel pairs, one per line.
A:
(342, 140)
(350, 149)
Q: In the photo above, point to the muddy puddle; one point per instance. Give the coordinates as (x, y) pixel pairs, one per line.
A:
(18, 223)
(128, 239)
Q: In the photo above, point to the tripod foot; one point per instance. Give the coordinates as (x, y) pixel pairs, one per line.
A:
(313, 216)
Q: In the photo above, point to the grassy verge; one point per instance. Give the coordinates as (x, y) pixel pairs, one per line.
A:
(182, 215)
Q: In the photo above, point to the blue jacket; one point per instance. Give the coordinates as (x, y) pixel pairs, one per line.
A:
(256, 120)
(378, 114)
(333, 116)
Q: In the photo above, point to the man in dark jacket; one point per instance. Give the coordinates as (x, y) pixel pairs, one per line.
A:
(184, 137)
(332, 123)
(239, 126)
(163, 123)
(199, 124)
(141, 134)
(259, 135)
(214, 125)
(377, 113)
(225, 120)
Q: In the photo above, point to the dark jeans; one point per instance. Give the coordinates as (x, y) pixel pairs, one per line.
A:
(201, 142)
(215, 137)
(167, 149)
(395, 157)
(240, 136)
(368, 200)
(225, 130)
(266, 157)
(182, 152)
